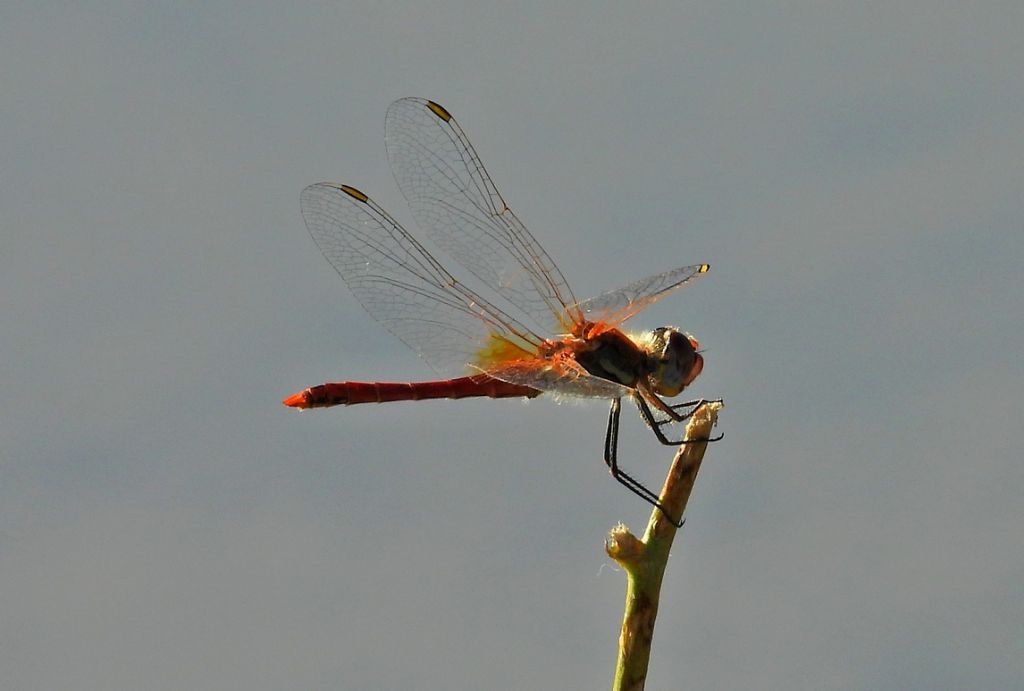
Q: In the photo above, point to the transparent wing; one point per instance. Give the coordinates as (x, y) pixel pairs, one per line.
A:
(404, 288)
(617, 306)
(567, 379)
(455, 201)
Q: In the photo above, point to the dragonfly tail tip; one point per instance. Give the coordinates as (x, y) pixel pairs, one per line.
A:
(297, 400)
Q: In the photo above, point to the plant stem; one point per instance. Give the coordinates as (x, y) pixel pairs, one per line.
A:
(644, 561)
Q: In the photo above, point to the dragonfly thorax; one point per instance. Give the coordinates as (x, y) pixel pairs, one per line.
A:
(664, 361)
(672, 360)
(610, 354)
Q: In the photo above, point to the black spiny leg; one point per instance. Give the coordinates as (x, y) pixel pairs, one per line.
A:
(655, 424)
(611, 442)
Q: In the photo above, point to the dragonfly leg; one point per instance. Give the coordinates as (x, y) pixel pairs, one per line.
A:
(672, 413)
(694, 404)
(611, 442)
(655, 424)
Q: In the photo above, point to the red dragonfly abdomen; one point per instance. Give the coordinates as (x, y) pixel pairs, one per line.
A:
(352, 392)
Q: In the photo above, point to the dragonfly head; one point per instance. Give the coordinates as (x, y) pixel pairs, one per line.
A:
(673, 360)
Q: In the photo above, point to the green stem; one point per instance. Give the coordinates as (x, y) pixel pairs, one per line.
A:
(644, 561)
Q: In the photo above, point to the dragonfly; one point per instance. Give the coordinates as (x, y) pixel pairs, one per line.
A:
(517, 330)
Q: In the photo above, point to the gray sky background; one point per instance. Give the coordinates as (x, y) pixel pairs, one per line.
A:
(853, 175)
